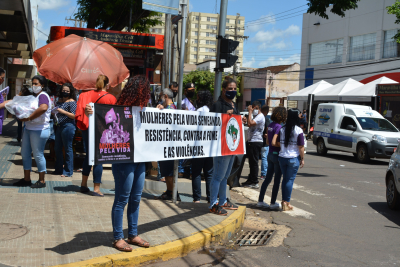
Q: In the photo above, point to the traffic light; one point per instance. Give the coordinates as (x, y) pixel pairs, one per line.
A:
(227, 59)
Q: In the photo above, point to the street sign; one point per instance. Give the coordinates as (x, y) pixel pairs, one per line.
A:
(162, 6)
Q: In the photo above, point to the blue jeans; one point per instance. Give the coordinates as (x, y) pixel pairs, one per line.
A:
(197, 165)
(129, 182)
(273, 168)
(222, 170)
(264, 160)
(34, 141)
(86, 168)
(19, 130)
(289, 169)
(64, 136)
(181, 169)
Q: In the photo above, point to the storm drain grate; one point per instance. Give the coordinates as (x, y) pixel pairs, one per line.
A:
(255, 238)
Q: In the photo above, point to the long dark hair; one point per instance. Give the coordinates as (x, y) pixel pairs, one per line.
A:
(72, 93)
(205, 98)
(291, 123)
(136, 92)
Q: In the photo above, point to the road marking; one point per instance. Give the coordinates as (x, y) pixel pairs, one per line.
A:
(310, 192)
(342, 186)
(253, 196)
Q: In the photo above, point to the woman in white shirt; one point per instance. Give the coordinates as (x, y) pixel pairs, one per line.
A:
(204, 102)
(291, 155)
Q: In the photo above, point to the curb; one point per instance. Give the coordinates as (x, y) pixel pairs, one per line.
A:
(170, 250)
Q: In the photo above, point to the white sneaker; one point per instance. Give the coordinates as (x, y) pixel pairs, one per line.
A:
(262, 205)
(275, 206)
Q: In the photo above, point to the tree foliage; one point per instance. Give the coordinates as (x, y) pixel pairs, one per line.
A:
(319, 7)
(204, 80)
(114, 15)
(395, 10)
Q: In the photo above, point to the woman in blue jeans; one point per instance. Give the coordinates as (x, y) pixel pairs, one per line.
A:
(65, 132)
(36, 134)
(129, 177)
(291, 155)
(278, 116)
(223, 164)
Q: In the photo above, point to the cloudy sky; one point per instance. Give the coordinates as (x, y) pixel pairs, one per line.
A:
(273, 27)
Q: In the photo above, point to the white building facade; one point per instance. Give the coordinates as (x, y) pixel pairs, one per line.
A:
(358, 46)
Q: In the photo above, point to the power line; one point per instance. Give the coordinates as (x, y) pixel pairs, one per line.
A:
(275, 14)
(274, 19)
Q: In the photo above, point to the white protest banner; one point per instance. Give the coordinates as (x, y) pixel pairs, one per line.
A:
(162, 134)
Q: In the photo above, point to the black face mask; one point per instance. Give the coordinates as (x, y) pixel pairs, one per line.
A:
(175, 93)
(190, 94)
(65, 94)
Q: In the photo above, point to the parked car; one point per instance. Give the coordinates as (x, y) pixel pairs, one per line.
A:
(392, 180)
(356, 129)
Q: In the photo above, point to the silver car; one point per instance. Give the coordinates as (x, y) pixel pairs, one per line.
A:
(393, 180)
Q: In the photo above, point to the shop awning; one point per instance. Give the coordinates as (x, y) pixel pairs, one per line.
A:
(332, 93)
(366, 92)
(302, 95)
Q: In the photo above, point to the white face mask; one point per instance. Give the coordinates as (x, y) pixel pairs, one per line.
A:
(36, 89)
(255, 112)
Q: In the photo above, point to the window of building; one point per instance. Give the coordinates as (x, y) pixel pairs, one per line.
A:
(328, 52)
(194, 56)
(212, 19)
(238, 21)
(362, 47)
(210, 34)
(210, 50)
(227, 20)
(196, 33)
(211, 27)
(195, 49)
(209, 42)
(156, 30)
(195, 17)
(196, 26)
(390, 47)
(194, 41)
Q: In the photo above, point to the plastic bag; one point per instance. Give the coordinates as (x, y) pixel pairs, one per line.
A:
(22, 106)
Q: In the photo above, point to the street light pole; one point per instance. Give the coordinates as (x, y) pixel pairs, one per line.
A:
(221, 34)
(183, 4)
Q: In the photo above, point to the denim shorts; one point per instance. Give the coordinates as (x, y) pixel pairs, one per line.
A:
(166, 168)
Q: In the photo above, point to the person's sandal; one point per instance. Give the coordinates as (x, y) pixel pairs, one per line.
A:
(218, 210)
(124, 248)
(286, 206)
(141, 243)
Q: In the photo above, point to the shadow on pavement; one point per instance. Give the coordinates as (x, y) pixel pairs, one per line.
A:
(310, 174)
(349, 158)
(383, 209)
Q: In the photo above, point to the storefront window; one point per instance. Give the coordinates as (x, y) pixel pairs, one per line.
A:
(362, 47)
(328, 52)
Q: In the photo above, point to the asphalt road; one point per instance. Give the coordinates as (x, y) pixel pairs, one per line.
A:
(350, 224)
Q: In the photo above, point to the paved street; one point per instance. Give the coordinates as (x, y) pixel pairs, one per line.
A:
(349, 223)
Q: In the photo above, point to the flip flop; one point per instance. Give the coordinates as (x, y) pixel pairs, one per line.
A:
(95, 194)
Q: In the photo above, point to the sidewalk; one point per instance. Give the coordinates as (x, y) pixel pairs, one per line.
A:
(57, 225)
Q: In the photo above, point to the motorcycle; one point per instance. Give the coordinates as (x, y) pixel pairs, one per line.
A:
(310, 134)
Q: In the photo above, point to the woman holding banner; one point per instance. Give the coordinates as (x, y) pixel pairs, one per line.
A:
(129, 177)
(99, 96)
(223, 164)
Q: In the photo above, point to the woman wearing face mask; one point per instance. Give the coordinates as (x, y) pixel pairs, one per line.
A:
(65, 114)
(99, 96)
(223, 164)
(187, 101)
(36, 134)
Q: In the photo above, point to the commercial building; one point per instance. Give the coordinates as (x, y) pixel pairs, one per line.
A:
(17, 42)
(270, 85)
(359, 46)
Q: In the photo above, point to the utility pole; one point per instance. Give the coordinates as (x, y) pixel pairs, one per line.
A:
(130, 19)
(236, 24)
(166, 52)
(183, 4)
(76, 21)
(221, 34)
(173, 68)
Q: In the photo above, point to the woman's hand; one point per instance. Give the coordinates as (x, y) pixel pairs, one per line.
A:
(250, 109)
(60, 110)
(159, 106)
(244, 120)
(4, 95)
(229, 112)
(26, 119)
(301, 163)
(88, 110)
(265, 135)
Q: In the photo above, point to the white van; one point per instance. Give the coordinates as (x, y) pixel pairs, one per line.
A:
(356, 129)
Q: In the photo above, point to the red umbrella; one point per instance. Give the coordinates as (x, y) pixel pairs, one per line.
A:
(80, 60)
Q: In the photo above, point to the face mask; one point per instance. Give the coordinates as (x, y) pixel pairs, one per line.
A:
(36, 89)
(175, 93)
(230, 94)
(65, 94)
(190, 94)
(255, 112)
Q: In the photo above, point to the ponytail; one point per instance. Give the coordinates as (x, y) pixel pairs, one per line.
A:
(101, 82)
